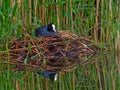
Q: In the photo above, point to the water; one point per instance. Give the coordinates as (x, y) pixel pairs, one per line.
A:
(98, 72)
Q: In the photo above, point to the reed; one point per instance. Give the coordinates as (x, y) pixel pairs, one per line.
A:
(98, 19)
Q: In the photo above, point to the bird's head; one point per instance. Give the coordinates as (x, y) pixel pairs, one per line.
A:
(51, 27)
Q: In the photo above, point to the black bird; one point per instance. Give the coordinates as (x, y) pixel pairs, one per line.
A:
(52, 75)
(48, 30)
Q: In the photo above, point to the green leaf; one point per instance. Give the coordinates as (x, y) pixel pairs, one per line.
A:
(1, 13)
(26, 59)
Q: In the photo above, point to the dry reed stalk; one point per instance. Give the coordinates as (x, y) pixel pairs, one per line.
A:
(35, 9)
(23, 14)
(118, 62)
(19, 3)
(58, 16)
(96, 21)
(46, 84)
(50, 12)
(117, 43)
(17, 84)
(71, 14)
(33, 81)
(12, 2)
(80, 15)
(30, 12)
(66, 20)
(110, 8)
(98, 73)
(39, 11)
(74, 82)
(43, 18)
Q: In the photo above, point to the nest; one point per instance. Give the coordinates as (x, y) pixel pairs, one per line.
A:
(50, 53)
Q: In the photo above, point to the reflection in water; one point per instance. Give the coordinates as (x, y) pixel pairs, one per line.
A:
(75, 67)
(98, 72)
(117, 44)
(49, 54)
(52, 75)
(118, 61)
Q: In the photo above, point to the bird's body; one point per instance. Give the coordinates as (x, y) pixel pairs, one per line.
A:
(48, 30)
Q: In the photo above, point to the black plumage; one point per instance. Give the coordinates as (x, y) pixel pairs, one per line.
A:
(48, 30)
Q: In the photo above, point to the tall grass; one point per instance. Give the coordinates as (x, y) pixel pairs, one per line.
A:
(96, 18)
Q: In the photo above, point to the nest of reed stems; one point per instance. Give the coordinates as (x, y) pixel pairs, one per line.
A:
(62, 52)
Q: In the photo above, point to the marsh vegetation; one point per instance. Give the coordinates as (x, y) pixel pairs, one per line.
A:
(97, 20)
